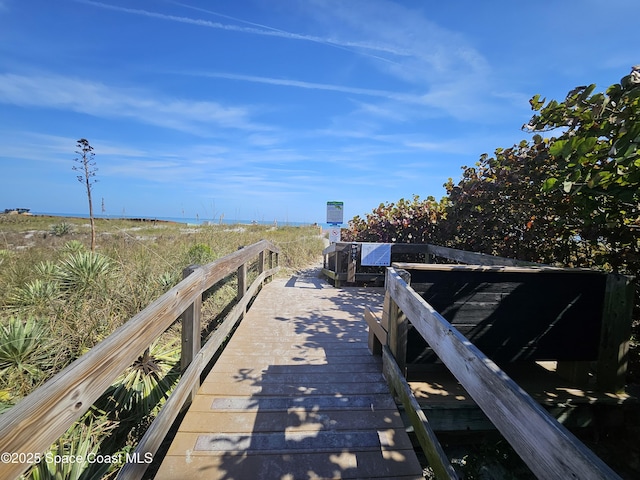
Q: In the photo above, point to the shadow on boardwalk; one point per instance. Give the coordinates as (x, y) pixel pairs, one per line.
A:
(306, 399)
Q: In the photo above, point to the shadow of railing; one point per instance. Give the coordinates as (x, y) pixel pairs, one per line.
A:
(321, 407)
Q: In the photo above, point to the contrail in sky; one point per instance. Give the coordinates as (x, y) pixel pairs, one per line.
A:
(262, 30)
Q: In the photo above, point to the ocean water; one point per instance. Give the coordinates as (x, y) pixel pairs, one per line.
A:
(188, 220)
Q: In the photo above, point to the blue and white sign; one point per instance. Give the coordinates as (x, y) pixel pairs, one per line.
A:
(376, 254)
(335, 213)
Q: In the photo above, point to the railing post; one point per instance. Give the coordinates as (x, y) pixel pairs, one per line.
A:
(191, 331)
(396, 323)
(338, 266)
(261, 262)
(242, 280)
(616, 332)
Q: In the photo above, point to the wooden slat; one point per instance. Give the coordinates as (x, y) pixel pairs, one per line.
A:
(191, 327)
(431, 447)
(295, 394)
(549, 450)
(532, 269)
(474, 258)
(377, 334)
(616, 332)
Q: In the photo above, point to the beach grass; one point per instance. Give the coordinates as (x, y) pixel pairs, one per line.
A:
(54, 291)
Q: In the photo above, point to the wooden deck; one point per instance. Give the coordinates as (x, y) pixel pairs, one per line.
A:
(295, 395)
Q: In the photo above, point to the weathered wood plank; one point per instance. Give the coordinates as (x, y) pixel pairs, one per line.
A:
(548, 448)
(430, 444)
(616, 333)
(261, 466)
(377, 334)
(474, 258)
(296, 377)
(524, 268)
(191, 327)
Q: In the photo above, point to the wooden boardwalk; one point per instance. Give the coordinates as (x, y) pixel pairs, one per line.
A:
(295, 395)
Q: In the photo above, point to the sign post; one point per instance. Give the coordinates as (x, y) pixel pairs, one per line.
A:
(335, 217)
(353, 262)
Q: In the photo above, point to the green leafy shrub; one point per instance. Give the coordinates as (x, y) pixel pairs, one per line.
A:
(61, 229)
(199, 254)
(36, 296)
(82, 271)
(145, 384)
(25, 353)
(81, 440)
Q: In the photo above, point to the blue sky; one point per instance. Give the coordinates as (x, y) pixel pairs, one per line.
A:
(267, 109)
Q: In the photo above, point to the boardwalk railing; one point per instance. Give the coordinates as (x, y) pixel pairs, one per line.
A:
(37, 421)
(547, 447)
(342, 259)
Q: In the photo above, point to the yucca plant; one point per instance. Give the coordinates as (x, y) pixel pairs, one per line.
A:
(36, 296)
(25, 352)
(46, 270)
(82, 271)
(168, 280)
(3, 255)
(141, 389)
(61, 229)
(81, 442)
(73, 246)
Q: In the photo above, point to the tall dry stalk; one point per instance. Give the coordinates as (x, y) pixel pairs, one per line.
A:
(87, 168)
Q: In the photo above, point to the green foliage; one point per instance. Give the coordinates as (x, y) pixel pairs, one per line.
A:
(82, 441)
(168, 280)
(407, 221)
(200, 254)
(83, 271)
(61, 229)
(3, 255)
(25, 353)
(598, 164)
(6, 400)
(142, 388)
(499, 208)
(36, 296)
(73, 246)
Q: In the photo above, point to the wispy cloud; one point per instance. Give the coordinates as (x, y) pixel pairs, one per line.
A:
(255, 29)
(438, 68)
(313, 86)
(98, 99)
(407, 44)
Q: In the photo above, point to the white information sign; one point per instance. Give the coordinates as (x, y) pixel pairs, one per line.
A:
(334, 234)
(376, 254)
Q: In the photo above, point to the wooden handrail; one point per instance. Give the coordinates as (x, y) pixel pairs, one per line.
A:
(334, 253)
(547, 447)
(38, 420)
(158, 430)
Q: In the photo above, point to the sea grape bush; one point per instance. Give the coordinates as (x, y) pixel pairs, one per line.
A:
(573, 199)
(406, 221)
